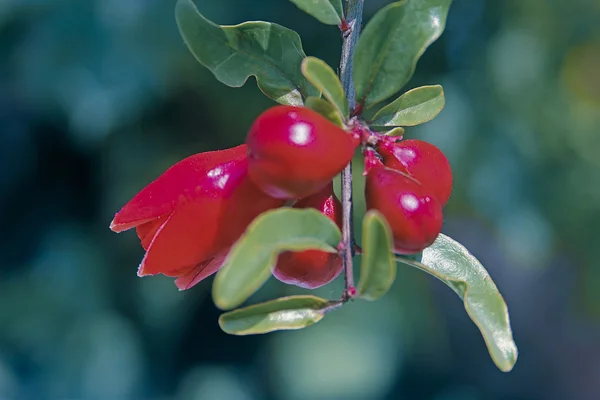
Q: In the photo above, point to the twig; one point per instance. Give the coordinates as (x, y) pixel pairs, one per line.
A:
(354, 9)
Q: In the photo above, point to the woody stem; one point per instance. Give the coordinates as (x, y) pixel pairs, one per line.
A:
(353, 17)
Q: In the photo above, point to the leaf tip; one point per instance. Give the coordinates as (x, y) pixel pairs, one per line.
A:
(221, 303)
(223, 325)
(512, 354)
(183, 6)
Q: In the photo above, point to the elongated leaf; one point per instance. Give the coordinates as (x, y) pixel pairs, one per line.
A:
(327, 11)
(324, 78)
(249, 263)
(286, 313)
(377, 267)
(324, 108)
(392, 43)
(412, 108)
(270, 52)
(452, 263)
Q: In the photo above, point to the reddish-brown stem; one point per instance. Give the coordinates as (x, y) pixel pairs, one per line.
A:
(344, 28)
(357, 110)
(366, 136)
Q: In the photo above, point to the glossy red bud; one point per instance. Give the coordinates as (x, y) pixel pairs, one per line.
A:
(413, 213)
(312, 268)
(423, 161)
(193, 212)
(294, 152)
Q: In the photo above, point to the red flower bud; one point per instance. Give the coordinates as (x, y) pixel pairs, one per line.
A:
(295, 152)
(414, 215)
(423, 161)
(193, 213)
(313, 268)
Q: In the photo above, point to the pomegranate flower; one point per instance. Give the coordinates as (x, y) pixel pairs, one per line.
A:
(188, 218)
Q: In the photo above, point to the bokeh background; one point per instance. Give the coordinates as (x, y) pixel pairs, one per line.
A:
(98, 97)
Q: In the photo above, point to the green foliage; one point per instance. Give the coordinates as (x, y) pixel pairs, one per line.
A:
(452, 263)
(249, 263)
(285, 313)
(329, 12)
(392, 43)
(414, 107)
(268, 51)
(324, 108)
(324, 78)
(377, 268)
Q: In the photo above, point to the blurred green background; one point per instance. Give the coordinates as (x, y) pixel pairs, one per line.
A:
(98, 97)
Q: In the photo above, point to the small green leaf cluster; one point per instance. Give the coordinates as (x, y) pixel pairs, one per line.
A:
(385, 57)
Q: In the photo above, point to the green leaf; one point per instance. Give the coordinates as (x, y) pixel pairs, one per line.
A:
(324, 108)
(377, 268)
(412, 108)
(397, 131)
(451, 262)
(286, 313)
(324, 78)
(327, 11)
(270, 52)
(391, 44)
(249, 263)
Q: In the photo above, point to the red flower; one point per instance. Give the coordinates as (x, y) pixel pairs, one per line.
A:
(189, 217)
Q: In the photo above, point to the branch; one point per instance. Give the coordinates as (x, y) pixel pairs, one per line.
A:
(354, 9)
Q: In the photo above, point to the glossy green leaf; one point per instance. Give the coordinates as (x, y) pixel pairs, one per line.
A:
(270, 52)
(286, 313)
(391, 44)
(412, 108)
(249, 263)
(452, 263)
(327, 11)
(324, 78)
(377, 267)
(324, 108)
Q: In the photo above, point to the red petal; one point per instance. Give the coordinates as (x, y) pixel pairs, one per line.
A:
(179, 271)
(185, 239)
(226, 202)
(147, 231)
(201, 271)
(175, 186)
